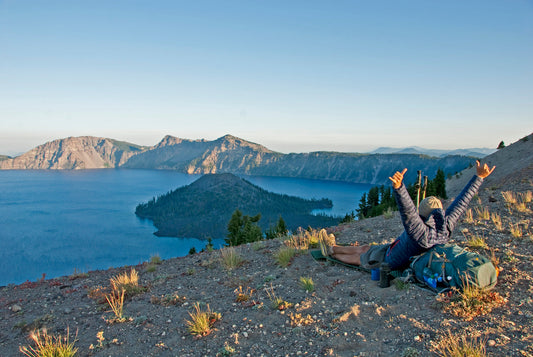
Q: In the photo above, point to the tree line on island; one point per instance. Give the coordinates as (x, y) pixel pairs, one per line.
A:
(204, 208)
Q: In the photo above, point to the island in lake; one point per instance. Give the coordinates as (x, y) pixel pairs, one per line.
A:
(204, 208)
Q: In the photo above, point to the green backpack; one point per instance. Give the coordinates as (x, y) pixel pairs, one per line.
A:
(448, 266)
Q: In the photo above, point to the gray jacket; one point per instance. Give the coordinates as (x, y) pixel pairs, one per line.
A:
(419, 234)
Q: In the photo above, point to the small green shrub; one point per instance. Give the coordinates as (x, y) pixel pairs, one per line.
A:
(230, 258)
(307, 284)
(275, 301)
(258, 245)
(227, 350)
(389, 213)
(410, 352)
(284, 255)
(401, 285)
(155, 259)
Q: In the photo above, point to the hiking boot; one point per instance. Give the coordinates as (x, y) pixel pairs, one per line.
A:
(331, 240)
(322, 245)
(326, 242)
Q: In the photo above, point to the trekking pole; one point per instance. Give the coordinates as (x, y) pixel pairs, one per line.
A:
(425, 187)
(417, 186)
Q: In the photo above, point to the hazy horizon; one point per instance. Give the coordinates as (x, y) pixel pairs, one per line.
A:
(371, 149)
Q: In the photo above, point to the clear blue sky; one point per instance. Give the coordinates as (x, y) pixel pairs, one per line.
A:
(295, 76)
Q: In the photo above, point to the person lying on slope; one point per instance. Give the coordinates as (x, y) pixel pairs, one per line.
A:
(430, 226)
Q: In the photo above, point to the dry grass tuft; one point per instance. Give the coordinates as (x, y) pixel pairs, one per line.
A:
(297, 320)
(127, 282)
(476, 242)
(522, 207)
(518, 201)
(459, 346)
(482, 213)
(98, 293)
(307, 284)
(49, 346)
(284, 255)
(471, 302)
(516, 230)
(116, 303)
(527, 197)
(497, 220)
(277, 302)
(155, 259)
(201, 323)
(230, 258)
(469, 217)
(243, 295)
(303, 240)
(509, 198)
(168, 300)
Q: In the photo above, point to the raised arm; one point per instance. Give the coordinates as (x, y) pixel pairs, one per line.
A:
(460, 204)
(413, 224)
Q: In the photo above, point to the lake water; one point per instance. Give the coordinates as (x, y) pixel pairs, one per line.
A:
(59, 222)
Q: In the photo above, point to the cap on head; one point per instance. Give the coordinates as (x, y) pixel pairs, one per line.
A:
(427, 205)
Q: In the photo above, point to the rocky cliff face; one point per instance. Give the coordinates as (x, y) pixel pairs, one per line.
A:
(359, 168)
(229, 154)
(84, 152)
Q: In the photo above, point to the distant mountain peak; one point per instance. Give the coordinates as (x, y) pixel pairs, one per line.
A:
(170, 140)
(81, 152)
(231, 142)
(230, 137)
(211, 181)
(473, 152)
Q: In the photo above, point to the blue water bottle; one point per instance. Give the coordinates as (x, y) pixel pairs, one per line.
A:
(430, 278)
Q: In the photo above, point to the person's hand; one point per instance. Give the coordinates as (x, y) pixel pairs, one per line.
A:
(397, 178)
(483, 171)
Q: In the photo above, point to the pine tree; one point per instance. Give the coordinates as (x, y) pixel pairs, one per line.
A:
(362, 210)
(440, 184)
(281, 227)
(234, 228)
(243, 229)
(251, 231)
(373, 197)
